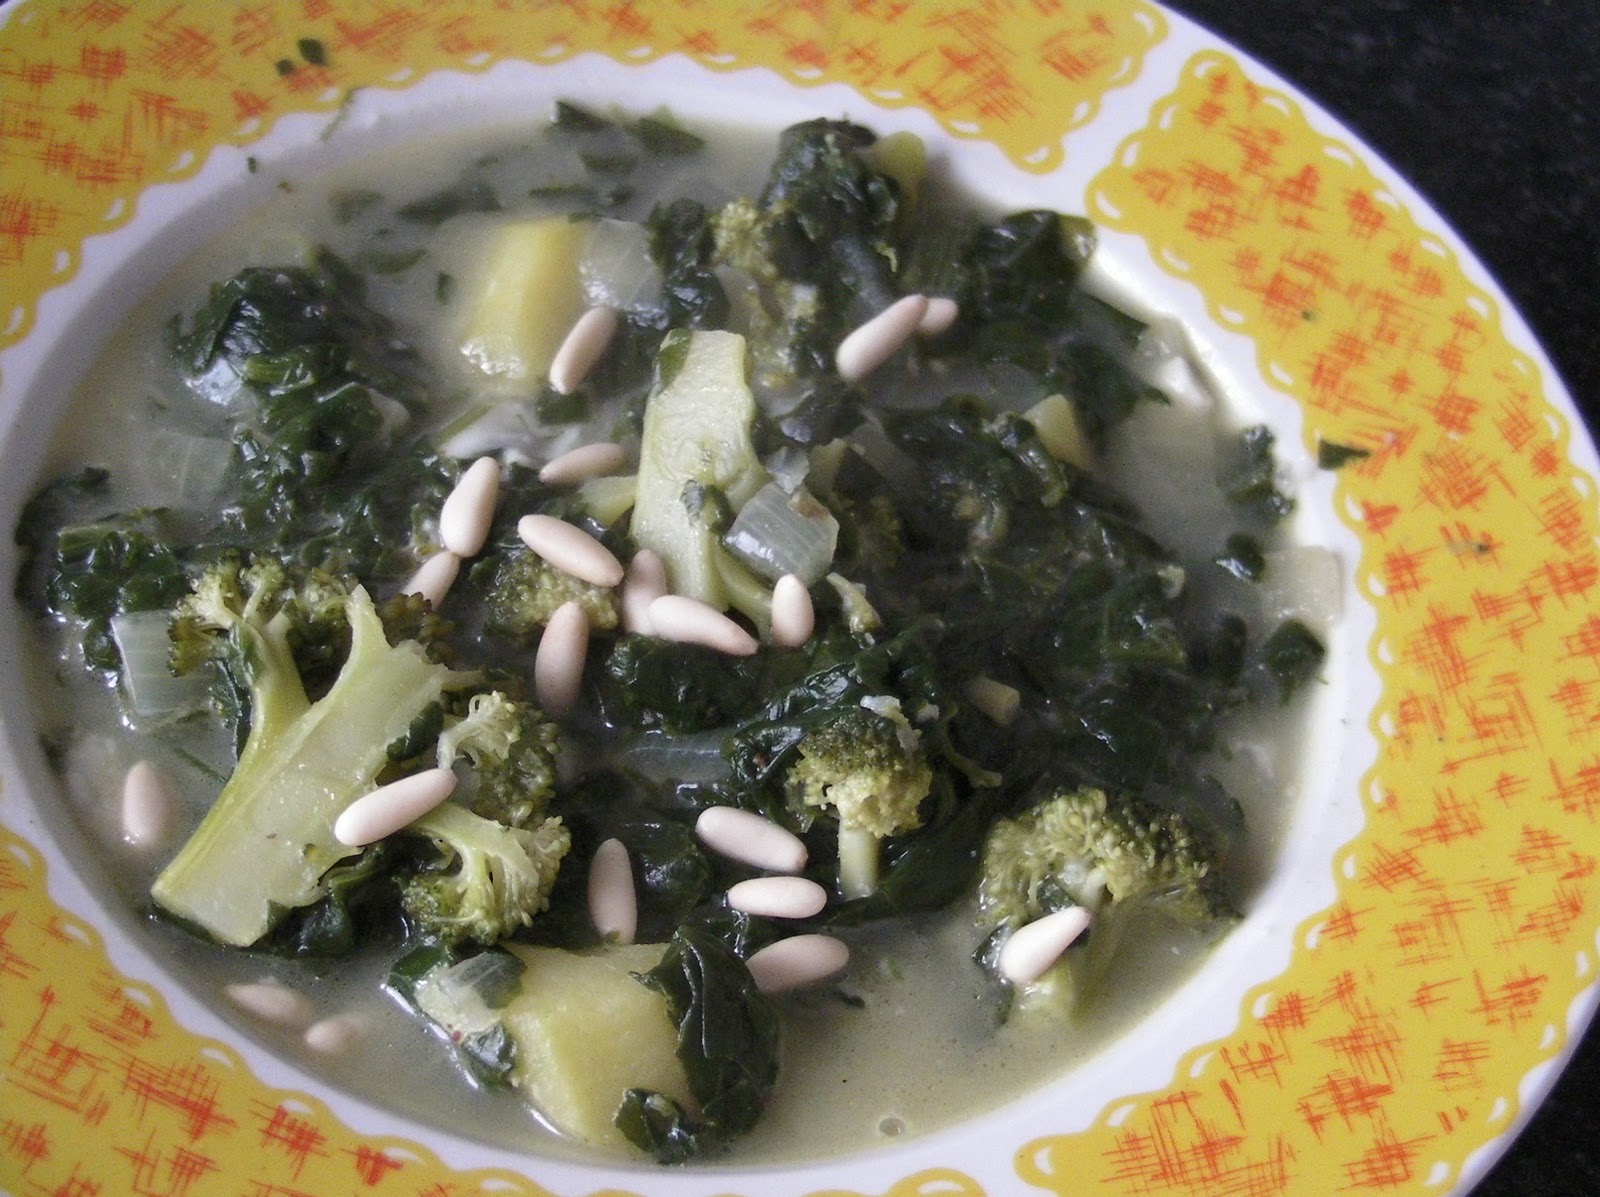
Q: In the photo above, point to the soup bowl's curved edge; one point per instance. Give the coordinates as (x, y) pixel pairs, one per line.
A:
(1417, 207)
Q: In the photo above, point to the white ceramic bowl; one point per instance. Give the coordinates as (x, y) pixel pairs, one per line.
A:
(1266, 1006)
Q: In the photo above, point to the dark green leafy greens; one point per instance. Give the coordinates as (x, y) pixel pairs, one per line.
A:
(727, 1042)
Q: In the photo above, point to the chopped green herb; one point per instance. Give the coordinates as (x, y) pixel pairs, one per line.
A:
(381, 261)
(353, 203)
(660, 135)
(1243, 558)
(1250, 477)
(1331, 455)
(468, 195)
(1293, 655)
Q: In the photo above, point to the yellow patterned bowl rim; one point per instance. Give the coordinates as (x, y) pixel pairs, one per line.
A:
(1432, 964)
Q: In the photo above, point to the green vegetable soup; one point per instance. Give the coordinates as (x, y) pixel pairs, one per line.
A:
(879, 527)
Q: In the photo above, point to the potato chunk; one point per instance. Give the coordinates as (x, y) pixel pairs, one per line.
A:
(586, 1032)
(528, 297)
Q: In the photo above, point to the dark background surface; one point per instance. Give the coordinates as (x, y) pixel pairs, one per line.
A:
(1490, 108)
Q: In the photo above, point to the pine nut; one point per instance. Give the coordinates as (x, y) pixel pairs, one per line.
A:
(336, 1034)
(995, 699)
(469, 509)
(796, 961)
(939, 317)
(582, 347)
(583, 463)
(434, 577)
(270, 1002)
(569, 548)
(689, 621)
(871, 344)
(748, 838)
(793, 616)
(613, 906)
(387, 809)
(778, 897)
(148, 805)
(558, 662)
(1035, 946)
(645, 582)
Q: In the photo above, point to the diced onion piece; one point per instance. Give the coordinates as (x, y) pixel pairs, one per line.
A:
(617, 268)
(195, 468)
(776, 534)
(1303, 582)
(1166, 360)
(147, 676)
(464, 998)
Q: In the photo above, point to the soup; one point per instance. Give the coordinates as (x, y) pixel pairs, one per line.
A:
(653, 554)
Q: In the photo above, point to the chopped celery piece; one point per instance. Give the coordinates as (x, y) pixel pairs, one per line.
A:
(697, 426)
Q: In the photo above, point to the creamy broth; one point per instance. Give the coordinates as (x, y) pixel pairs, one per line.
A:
(867, 1060)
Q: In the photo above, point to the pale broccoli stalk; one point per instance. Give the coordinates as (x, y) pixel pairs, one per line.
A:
(501, 877)
(1116, 859)
(697, 442)
(868, 766)
(265, 844)
(500, 859)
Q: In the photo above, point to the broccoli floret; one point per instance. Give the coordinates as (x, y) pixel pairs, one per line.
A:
(501, 877)
(497, 853)
(511, 747)
(266, 843)
(526, 590)
(1115, 858)
(868, 766)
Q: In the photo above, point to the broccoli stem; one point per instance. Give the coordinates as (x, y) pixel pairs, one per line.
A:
(697, 430)
(264, 845)
(858, 862)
